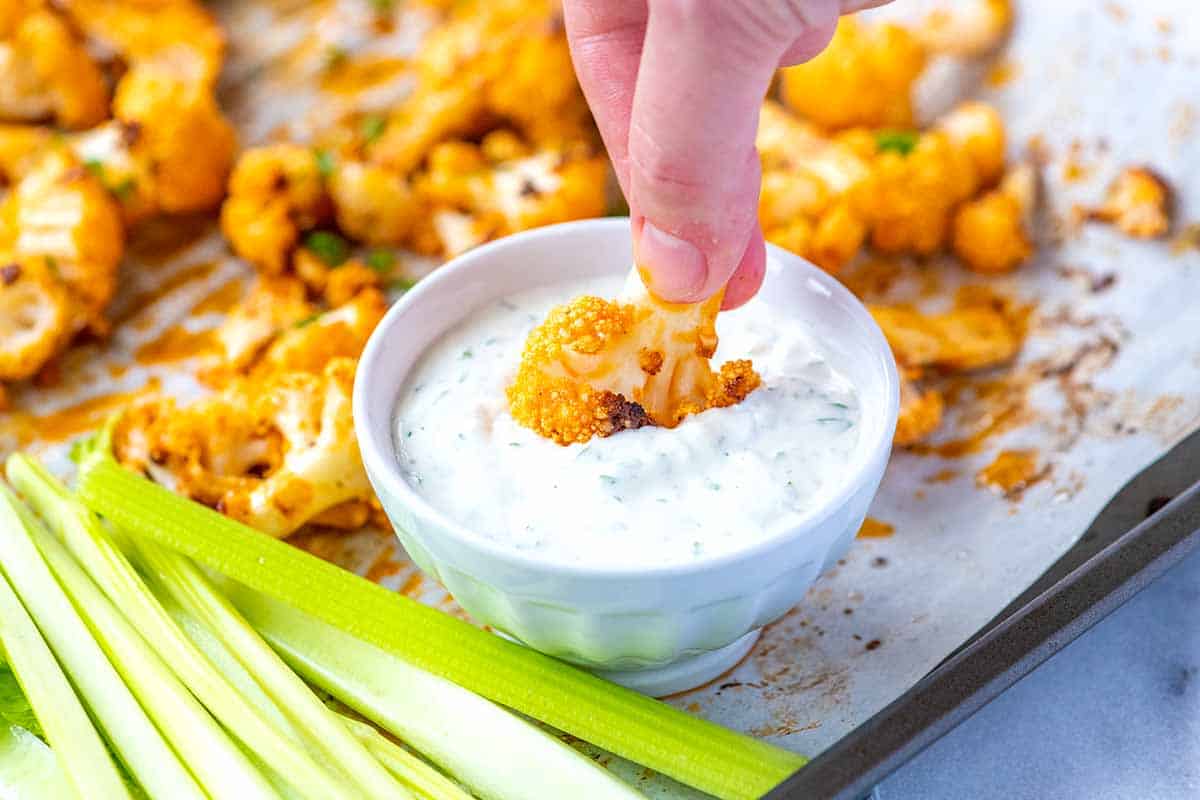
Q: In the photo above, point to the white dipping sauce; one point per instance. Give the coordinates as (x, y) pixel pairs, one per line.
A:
(719, 482)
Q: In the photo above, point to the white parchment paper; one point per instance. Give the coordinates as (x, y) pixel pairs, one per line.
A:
(1109, 378)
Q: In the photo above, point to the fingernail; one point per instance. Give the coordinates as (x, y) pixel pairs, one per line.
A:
(677, 269)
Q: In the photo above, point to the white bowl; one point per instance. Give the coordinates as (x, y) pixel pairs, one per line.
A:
(662, 629)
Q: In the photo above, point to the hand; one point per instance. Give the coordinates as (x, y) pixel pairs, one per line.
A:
(676, 86)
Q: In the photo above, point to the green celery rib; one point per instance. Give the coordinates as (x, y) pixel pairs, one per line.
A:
(318, 724)
(693, 751)
(404, 765)
(215, 760)
(109, 568)
(130, 732)
(469, 737)
(78, 746)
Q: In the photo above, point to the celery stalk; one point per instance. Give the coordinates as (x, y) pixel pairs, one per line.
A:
(29, 770)
(215, 760)
(317, 723)
(454, 728)
(125, 725)
(109, 568)
(78, 746)
(693, 751)
(426, 780)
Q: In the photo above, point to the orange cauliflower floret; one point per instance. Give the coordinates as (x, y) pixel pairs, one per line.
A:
(965, 338)
(967, 28)
(60, 212)
(595, 367)
(373, 204)
(475, 199)
(275, 193)
(36, 311)
(179, 135)
(864, 77)
(1138, 203)
(992, 232)
(178, 32)
(276, 453)
(46, 73)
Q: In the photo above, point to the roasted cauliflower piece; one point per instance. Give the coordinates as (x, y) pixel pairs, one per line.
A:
(475, 199)
(46, 74)
(968, 29)
(61, 213)
(275, 453)
(176, 131)
(178, 33)
(864, 77)
(36, 316)
(595, 367)
(373, 204)
(992, 233)
(965, 338)
(489, 64)
(340, 332)
(275, 193)
(918, 180)
(1138, 203)
(273, 305)
(807, 189)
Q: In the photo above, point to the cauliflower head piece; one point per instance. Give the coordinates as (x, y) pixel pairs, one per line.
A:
(595, 367)
(46, 73)
(1138, 203)
(276, 454)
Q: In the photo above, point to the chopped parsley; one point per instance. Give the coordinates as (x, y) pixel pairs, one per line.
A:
(608, 479)
(468, 353)
(328, 246)
(325, 162)
(95, 166)
(309, 320)
(381, 261)
(901, 142)
(372, 127)
(401, 284)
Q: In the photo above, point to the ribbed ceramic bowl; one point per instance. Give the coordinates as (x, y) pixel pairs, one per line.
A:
(656, 629)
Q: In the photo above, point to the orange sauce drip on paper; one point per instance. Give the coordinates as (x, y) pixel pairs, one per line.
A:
(875, 529)
(1002, 72)
(174, 344)
(84, 416)
(140, 302)
(1011, 471)
(942, 476)
(221, 299)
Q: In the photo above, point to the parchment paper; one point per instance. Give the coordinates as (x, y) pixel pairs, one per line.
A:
(1108, 380)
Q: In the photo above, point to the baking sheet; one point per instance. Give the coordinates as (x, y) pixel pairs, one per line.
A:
(1107, 382)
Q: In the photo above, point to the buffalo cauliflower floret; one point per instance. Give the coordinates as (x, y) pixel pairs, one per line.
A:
(992, 233)
(340, 332)
(505, 61)
(474, 199)
(181, 33)
(21, 147)
(276, 453)
(596, 367)
(36, 314)
(46, 73)
(864, 77)
(967, 28)
(919, 179)
(964, 338)
(1138, 203)
(178, 132)
(275, 193)
(273, 305)
(373, 204)
(808, 182)
(62, 213)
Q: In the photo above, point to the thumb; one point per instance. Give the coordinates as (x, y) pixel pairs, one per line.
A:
(693, 171)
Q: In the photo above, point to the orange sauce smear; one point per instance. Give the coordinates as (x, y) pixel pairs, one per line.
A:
(1002, 72)
(1012, 471)
(221, 299)
(175, 344)
(81, 417)
(140, 302)
(875, 529)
